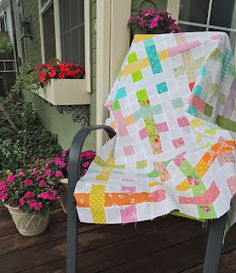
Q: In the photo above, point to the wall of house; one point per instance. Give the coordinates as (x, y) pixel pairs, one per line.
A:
(61, 124)
(138, 5)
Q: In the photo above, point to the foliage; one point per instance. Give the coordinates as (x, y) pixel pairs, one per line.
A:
(5, 45)
(153, 21)
(57, 167)
(27, 80)
(30, 144)
(30, 191)
(59, 71)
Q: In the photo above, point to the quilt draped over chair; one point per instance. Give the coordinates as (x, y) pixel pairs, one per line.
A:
(173, 108)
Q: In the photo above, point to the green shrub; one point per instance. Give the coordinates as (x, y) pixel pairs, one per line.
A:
(6, 45)
(30, 143)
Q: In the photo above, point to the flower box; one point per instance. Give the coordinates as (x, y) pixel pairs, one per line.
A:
(65, 92)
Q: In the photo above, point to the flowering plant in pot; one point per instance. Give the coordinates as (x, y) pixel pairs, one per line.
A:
(29, 197)
(57, 168)
(59, 70)
(152, 21)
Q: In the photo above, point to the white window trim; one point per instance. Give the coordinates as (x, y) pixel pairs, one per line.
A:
(58, 35)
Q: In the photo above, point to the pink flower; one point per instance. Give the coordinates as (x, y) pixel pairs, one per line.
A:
(130, 21)
(57, 160)
(3, 196)
(39, 177)
(62, 164)
(42, 184)
(154, 22)
(48, 172)
(86, 164)
(84, 172)
(58, 174)
(35, 205)
(28, 194)
(11, 178)
(2, 185)
(21, 174)
(28, 182)
(88, 154)
(52, 195)
(174, 27)
(63, 153)
(22, 201)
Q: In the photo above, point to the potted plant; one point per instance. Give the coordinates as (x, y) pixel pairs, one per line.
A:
(58, 168)
(62, 83)
(152, 21)
(29, 197)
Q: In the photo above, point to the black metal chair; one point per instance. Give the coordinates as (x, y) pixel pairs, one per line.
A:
(216, 227)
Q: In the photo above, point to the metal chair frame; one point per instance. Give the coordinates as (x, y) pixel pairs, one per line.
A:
(216, 227)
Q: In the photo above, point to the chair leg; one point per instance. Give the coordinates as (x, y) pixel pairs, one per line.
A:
(214, 245)
(72, 239)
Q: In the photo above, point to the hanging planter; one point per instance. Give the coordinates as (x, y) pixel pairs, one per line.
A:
(62, 84)
(152, 22)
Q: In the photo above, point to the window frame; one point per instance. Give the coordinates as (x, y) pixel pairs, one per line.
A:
(56, 4)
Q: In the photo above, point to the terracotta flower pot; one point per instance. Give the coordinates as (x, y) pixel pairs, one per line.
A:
(28, 224)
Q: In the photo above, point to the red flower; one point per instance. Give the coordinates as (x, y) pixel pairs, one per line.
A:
(52, 73)
(61, 75)
(42, 76)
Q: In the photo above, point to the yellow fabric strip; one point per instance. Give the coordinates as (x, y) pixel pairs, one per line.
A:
(97, 202)
(136, 66)
(163, 55)
(141, 37)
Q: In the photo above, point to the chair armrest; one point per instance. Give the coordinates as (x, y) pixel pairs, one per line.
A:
(75, 151)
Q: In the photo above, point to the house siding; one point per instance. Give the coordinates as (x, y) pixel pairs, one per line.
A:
(138, 5)
(32, 47)
(61, 124)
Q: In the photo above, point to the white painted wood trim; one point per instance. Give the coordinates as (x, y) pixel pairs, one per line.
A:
(57, 28)
(120, 35)
(87, 44)
(102, 60)
(41, 32)
(173, 8)
(112, 46)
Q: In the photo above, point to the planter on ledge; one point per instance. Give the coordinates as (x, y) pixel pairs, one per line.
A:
(65, 92)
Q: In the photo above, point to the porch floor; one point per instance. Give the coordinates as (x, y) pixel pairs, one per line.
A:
(166, 245)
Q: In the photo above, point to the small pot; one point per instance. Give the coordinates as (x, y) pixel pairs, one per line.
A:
(63, 196)
(28, 224)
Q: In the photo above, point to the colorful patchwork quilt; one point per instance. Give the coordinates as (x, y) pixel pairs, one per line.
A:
(173, 108)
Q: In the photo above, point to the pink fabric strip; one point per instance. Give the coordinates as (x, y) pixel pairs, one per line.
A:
(229, 105)
(197, 102)
(143, 133)
(217, 37)
(128, 214)
(123, 131)
(182, 48)
(207, 198)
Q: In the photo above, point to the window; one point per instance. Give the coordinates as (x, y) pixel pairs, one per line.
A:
(49, 33)
(3, 26)
(209, 15)
(72, 31)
